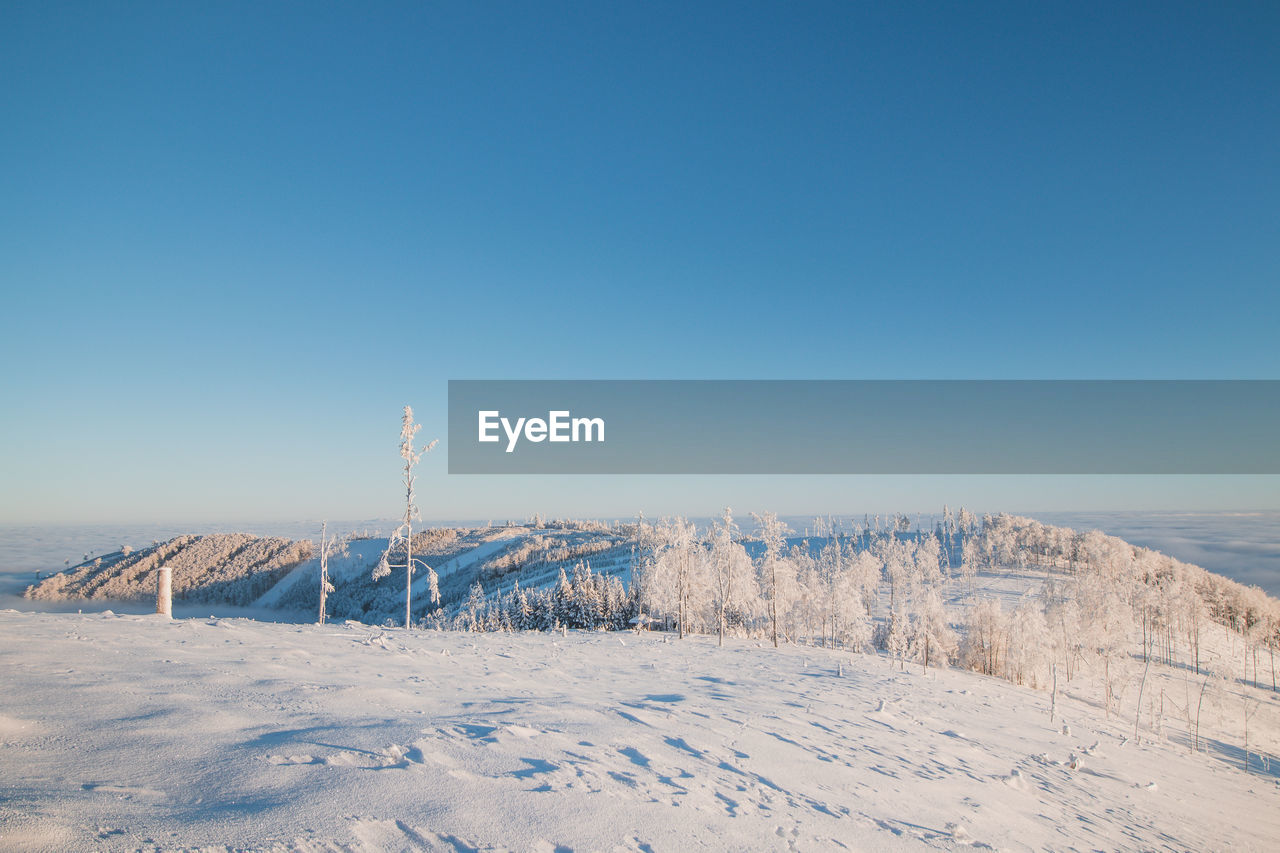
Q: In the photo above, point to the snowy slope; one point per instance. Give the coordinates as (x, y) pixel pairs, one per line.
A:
(126, 732)
(462, 569)
(300, 586)
(232, 568)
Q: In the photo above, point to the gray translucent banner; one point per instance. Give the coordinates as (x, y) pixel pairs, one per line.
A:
(864, 427)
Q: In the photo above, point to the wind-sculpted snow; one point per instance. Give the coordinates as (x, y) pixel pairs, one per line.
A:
(124, 733)
(230, 568)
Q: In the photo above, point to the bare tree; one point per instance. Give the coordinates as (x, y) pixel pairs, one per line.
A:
(404, 533)
(328, 548)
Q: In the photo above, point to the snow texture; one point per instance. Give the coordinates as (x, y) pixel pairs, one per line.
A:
(128, 732)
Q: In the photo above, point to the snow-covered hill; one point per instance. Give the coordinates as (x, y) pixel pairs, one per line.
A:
(269, 573)
(129, 732)
(230, 568)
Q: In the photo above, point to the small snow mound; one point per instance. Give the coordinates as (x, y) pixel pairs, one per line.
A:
(958, 832)
(12, 727)
(522, 732)
(392, 756)
(1066, 730)
(1015, 779)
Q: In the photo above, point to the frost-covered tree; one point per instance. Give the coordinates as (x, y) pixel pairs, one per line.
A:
(810, 606)
(932, 640)
(1062, 618)
(587, 610)
(733, 579)
(404, 533)
(986, 638)
(866, 571)
(1106, 620)
(776, 572)
(563, 604)
(1028, 655)
(899, 567)
(830, 566)
(473, 610)
(328, 548)
(850, 586)
(677, 582)
(928, 558)
(970, 559)
(897, 635)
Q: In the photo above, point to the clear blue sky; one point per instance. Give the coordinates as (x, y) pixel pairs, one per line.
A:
(235, 238)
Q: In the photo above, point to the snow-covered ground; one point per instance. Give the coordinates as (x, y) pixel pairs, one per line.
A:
(128, 732)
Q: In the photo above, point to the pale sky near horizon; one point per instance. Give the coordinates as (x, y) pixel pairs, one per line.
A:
(235, 238)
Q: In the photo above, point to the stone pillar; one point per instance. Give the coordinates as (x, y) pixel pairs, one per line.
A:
(164, 593)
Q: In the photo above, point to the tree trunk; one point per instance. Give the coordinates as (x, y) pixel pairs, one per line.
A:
(408, 541)
(324, 576)
(1137, 714)
(1053, 697)
(324, 582)
(773, 601)
(408, 575)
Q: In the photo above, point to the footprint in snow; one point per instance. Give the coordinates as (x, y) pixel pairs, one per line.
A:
(124, 792)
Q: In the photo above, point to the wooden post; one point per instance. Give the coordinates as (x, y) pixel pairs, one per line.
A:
(164, 592)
